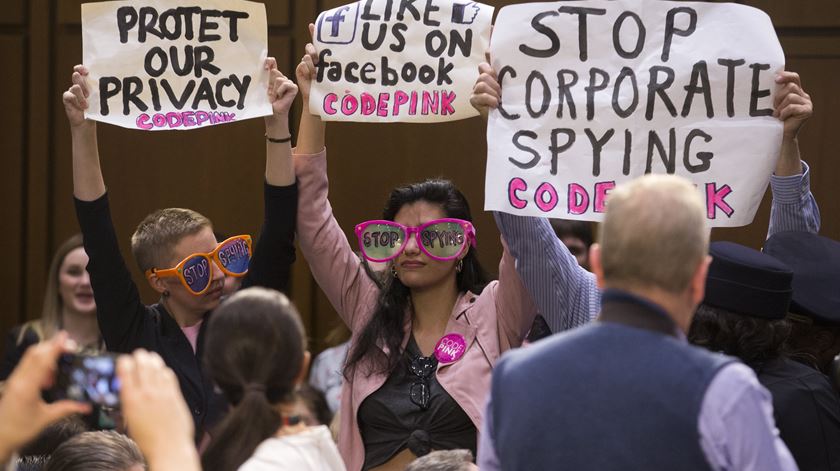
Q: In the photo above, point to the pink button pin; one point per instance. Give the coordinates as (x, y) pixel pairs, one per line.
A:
(450, 348)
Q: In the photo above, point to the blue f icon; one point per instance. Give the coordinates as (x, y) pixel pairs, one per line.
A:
(336, 19)
(338, 26)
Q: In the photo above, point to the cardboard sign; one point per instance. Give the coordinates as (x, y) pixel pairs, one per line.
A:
(600, 92)
(175, 64)
(409, 61)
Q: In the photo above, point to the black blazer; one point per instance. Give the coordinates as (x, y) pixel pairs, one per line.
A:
(807, 412)
(127, 324)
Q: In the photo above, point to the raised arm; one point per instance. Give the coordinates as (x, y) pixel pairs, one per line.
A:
(119, 310)
(274, 252)
(565, 294)
(312, 132)
(334, 265)
(88, 183)
(794, 207)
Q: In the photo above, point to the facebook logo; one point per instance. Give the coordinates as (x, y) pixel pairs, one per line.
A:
(464, 13)
(338, 26)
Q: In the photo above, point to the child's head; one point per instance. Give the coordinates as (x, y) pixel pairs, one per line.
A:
(165, 238)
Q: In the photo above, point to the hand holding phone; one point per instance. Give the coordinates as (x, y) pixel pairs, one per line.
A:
(88, 378)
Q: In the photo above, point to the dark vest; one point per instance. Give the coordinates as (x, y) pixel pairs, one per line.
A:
(619, 394)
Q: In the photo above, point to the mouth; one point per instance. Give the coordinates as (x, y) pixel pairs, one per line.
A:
(412, 264)
(85, 297)
(216, 291)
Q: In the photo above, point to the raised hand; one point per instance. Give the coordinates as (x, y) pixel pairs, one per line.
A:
(281, 90)
(305, 71)
(75, 98)
(792, 105)
(487, 93)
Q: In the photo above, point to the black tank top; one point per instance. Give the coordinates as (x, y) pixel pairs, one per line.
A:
(393, 418)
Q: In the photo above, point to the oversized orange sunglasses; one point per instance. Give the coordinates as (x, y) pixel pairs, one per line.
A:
(232, 256)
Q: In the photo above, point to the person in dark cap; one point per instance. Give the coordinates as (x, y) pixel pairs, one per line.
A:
(743, 315)
(815, 307)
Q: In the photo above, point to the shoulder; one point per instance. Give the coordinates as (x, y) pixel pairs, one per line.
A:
(27, 334)
(296, 452)
(734, 385)
(557, 347)
(792, 382)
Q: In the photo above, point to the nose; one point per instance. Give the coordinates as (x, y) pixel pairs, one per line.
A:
(218, 274)
(411, 247)
(85, 278)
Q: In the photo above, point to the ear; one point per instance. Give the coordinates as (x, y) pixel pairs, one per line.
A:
(698, 281)
(595, 264)
(156, 283)
(304, 368)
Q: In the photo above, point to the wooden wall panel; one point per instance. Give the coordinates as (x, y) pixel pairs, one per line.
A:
(12, 147)
(13, 14)
(800, 14)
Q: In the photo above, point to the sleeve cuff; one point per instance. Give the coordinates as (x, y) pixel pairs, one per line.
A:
(789, 190)
(273, 191)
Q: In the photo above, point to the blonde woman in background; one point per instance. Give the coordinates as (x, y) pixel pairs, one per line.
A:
(68, 305)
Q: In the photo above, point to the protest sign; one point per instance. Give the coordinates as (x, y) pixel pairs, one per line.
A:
(600, 92)
(399, 60)
(175, 64)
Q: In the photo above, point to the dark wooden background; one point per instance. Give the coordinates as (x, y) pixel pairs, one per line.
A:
(40, 40)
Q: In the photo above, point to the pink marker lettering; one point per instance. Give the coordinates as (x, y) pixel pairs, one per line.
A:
(578, 199)
(329, 103)
(601, 191)
(515, 185)
(716, 198)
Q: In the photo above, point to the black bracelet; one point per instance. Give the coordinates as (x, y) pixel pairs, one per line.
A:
(278, 141)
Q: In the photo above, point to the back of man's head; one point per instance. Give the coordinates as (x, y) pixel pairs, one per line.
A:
(654, 234)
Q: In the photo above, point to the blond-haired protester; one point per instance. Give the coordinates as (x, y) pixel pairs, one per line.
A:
(68, 305)
(178, 251)
(628, 391)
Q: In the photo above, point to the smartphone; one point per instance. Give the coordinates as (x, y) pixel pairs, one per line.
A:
(88, 378)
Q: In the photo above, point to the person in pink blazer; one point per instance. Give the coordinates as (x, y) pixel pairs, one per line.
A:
(423, 346)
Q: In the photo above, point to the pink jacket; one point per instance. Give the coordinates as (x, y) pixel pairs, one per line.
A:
(491, 323)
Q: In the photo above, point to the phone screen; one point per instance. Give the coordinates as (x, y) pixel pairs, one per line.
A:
(88, 378)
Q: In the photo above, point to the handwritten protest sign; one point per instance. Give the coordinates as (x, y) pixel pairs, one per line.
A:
(405, 60)
(175, 64)
(596, 93)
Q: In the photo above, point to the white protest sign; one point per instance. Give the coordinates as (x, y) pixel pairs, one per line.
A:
(389, 61)
(600, 92)
(175, 64)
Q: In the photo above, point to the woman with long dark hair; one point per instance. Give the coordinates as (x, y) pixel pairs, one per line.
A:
(256, 354)
(423, 345)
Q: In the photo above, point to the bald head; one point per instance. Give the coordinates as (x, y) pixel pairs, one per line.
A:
(653, 235)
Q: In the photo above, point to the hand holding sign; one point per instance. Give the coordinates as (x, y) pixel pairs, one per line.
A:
(487, 93)
(281, 90)
(792, 104)
(306, 71)
(76, 97)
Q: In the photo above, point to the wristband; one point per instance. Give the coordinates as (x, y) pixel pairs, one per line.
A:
(278, 141)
